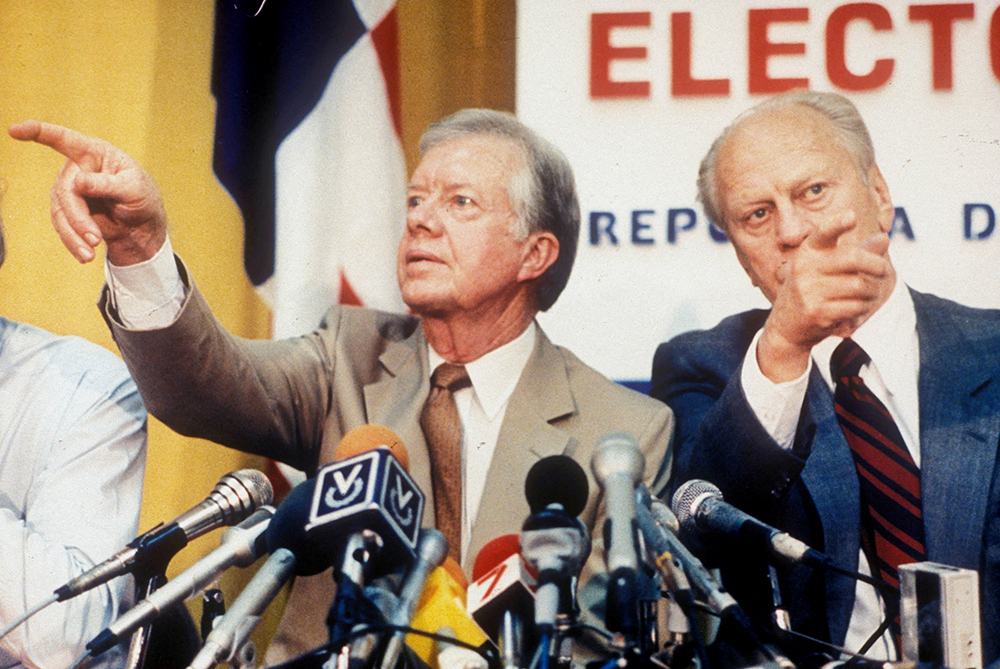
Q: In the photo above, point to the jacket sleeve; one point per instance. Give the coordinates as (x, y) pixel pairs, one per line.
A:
(264, 397)
(718, 437)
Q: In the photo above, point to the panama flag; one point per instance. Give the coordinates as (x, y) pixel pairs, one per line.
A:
(308, 145)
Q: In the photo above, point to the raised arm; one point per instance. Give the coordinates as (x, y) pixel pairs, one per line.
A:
(101, 194)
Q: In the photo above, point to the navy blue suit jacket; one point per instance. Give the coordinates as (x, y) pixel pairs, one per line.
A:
(812, 490)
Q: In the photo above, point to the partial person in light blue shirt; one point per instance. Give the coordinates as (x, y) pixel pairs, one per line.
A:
(72, 457)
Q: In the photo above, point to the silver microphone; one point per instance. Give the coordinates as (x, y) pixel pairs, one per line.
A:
(240, 547)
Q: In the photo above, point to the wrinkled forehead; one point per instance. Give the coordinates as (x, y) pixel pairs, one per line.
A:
(780, 129)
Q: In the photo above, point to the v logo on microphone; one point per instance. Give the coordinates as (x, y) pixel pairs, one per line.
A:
(342, 493)
(404, 497)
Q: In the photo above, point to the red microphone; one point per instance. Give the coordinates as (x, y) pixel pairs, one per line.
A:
(501, 597)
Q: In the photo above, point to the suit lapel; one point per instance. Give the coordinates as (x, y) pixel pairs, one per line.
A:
(832, 482)
(959, 431)
(395, 400)
(542, 395)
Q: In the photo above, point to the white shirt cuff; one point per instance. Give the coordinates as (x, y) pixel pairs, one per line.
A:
(776, 405)
(147, 295)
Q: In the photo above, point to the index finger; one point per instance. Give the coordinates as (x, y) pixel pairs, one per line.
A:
(826, 236)
(74, 145)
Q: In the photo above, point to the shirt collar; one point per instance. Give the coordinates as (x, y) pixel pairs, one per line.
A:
(885, 337)
(495, 374)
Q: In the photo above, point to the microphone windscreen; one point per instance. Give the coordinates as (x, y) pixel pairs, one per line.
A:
(557, 479)
(369, 437)
(288, 530)
(689, 497)
(494, 552)
(451, 566)
(442, 604)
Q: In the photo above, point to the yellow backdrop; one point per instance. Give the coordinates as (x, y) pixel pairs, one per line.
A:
(137, 74)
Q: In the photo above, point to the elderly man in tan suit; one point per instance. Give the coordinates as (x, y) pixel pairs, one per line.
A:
(490, 238)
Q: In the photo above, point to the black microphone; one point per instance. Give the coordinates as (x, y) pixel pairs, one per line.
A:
(554, 541)
(365, 510)
(368, 493)
(240, 546)
(700, 508)
(618, 465)
(234, 498)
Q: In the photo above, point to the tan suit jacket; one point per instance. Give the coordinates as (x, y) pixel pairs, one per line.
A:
(293, 400)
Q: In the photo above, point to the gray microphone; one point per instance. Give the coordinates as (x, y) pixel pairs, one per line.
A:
(618, 465)
(234, 498)
(232, 630)
(240, 547)
(432, 549)
(700, 508)
(659, 527)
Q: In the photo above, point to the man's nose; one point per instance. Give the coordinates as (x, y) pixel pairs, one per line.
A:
(792, 227)
(424, 216)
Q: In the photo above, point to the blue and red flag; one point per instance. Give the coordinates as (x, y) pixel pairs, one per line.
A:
(308, 145)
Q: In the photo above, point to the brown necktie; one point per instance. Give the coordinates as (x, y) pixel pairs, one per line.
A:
(443, 432)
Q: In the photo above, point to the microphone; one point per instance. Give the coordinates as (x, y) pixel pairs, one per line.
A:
(293, 552)
(554, 542)
(501, 598)
(432, 549)
(232, 629)
(442, 611)
(234, 498)
(367, 490)
(659, 528)
(366, 509)
(240, 546)
(700, 508)
(618, 465)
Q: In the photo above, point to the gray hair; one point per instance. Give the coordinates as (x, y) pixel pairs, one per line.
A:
(840, 111)
(543, 193)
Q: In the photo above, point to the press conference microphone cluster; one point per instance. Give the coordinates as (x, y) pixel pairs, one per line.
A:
(361, 514)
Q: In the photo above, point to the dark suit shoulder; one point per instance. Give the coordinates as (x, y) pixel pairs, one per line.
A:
(700, 355)
(972, 324)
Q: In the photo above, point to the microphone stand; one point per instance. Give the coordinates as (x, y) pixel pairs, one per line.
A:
(153, 556)
(349, 604)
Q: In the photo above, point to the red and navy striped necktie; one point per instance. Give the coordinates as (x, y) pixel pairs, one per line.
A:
(891, 510)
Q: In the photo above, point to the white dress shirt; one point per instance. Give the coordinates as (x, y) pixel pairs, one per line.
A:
(889, 337)
(72, 457)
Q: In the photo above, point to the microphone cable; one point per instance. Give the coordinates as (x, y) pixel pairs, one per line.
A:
(27, 614)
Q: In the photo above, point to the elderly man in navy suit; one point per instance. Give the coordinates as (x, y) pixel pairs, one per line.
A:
(758, 403)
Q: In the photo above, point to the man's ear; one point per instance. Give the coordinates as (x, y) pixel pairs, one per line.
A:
(541, 250)
(886, 212)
